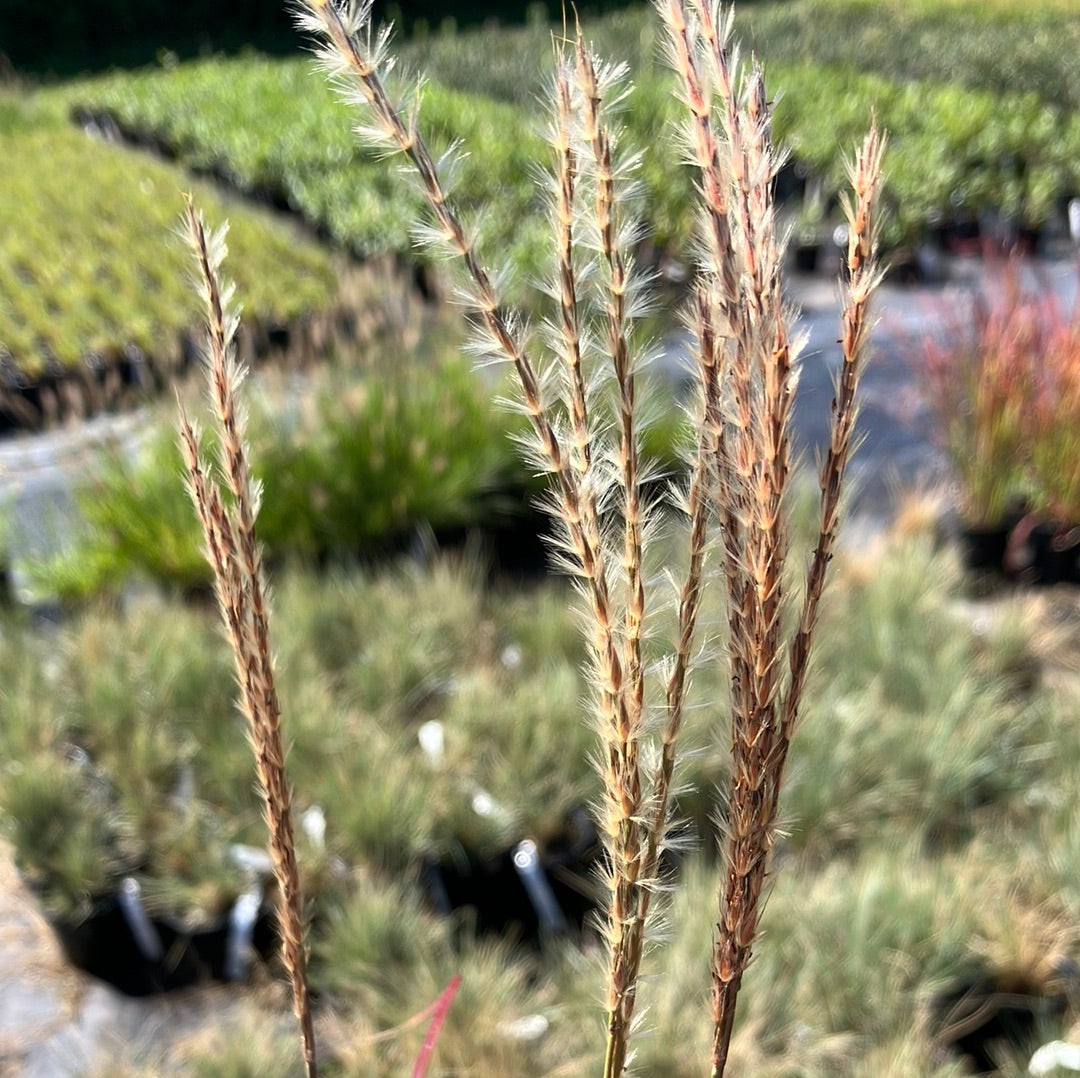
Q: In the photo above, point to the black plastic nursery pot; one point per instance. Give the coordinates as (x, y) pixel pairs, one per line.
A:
(1057, 554)
(986, 1018)
(984, 546)
(960, 235)
(139, 955)
(806, 256)
(513, 549)
(992, 548)
(1043, 553)
(525, 891)
(510, 542)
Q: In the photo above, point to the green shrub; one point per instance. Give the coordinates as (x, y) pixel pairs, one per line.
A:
(351, 472)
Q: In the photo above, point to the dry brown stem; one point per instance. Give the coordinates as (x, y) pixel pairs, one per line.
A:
(740, 468)
(741, 314)
(234, 555)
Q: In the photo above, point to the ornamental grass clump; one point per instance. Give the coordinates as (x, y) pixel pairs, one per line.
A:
(578, 374)
(588, 351)
(1055, 415)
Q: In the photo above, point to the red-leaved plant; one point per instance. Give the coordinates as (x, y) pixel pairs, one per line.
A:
(1055, 415)
(1003, 386)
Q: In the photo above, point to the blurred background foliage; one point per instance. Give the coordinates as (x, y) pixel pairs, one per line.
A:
(75, 36)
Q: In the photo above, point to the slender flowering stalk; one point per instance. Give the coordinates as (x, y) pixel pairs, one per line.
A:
(566, 173)
(863, 276)
(763, 740)
(741, 316)
(359, 61)
(234, 555)
(740, 467)
(624, 789)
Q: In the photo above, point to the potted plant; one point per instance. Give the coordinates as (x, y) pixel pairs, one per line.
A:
(70, 842)
(978, 381)
(1003, 387)
(1054, 460)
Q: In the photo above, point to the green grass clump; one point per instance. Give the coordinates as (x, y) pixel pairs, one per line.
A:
(928, 829)
(952, 729)
(76, 839)
(351, 468)
(371, 458)
(144, 699)
(354, 463)
(916, 726)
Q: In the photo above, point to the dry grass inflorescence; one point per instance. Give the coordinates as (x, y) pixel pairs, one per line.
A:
(229, 527)
(578, 376)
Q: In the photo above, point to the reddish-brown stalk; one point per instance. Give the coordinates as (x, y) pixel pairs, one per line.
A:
(863, 277)
(760, 752)
(742, 309)
(233, 552)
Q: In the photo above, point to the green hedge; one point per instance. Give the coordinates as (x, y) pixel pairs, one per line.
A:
(77, 36)
(1002, 46)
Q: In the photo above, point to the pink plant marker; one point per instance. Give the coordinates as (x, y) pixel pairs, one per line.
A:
(439, 1009)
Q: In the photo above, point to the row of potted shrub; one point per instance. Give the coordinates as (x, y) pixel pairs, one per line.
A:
(125, 784)
(435, 732)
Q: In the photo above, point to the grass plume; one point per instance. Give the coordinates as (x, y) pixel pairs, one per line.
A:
(228, 522)
(577, 383)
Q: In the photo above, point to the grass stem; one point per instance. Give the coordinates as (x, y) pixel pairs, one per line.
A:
(233, 552)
